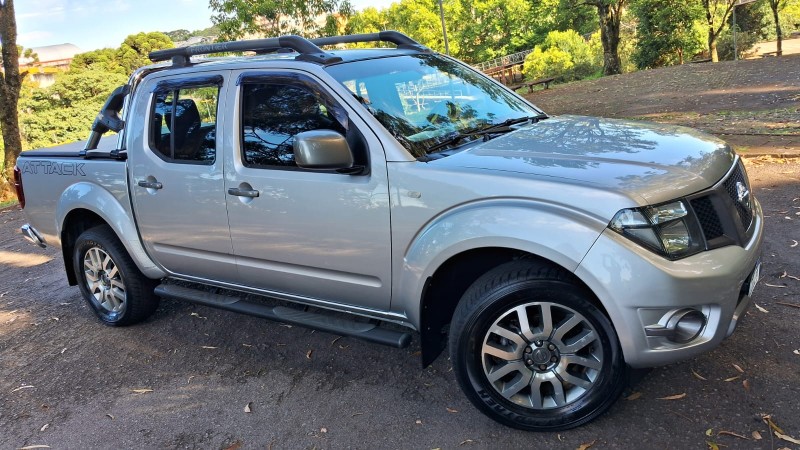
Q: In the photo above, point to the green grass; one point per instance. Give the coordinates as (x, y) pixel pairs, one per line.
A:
(5, 203)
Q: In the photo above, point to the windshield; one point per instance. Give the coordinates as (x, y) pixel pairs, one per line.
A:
(424, 100)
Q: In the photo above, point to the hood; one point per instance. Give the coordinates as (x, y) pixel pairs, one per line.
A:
(655, 162)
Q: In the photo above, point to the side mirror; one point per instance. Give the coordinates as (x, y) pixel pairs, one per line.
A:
(322, 149)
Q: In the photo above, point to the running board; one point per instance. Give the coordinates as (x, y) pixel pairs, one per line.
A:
(360, 330)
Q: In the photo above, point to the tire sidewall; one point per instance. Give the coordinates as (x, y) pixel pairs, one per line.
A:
(85, 242)
(606, 389)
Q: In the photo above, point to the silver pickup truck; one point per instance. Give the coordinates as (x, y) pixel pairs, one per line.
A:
(381, 193)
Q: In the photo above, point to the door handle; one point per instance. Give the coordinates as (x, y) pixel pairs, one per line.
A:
(150, 184)
(252, 193)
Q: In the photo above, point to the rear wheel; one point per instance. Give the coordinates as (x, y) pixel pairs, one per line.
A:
(532, 352)
(109, 280)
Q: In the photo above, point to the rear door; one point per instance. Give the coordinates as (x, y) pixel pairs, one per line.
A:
(314, 234)
(177, 175)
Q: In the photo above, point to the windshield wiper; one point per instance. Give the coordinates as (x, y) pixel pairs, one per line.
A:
(500, 127)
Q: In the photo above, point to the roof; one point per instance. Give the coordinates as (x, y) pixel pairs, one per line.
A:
(49, 53)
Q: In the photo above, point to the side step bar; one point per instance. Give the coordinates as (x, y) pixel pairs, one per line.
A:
(361, 330)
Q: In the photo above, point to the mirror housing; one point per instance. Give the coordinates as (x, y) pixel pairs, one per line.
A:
(322, 149)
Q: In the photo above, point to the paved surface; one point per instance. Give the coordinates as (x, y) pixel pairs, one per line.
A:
(753, 104)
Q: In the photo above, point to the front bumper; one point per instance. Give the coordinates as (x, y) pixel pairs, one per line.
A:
(638, 288)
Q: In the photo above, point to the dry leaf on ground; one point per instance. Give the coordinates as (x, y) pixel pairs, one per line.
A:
(451, 410)
(208, 347)
(586, 445)
(760, 308)
(731, 433)
(698, 376)
(673, 397)
(786, 438)
(309, 353)
(634, 396)
(31, 447)
(141, 391)
(736, 366)
(24, 386)
(746, 385)
(248, 408)
(466, 441)
(756, 435)
(727, 380)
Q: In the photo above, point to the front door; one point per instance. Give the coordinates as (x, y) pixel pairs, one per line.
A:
(318, 235)
(177, 176)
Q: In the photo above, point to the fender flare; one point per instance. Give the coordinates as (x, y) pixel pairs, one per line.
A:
(551, 231)
(93, 198)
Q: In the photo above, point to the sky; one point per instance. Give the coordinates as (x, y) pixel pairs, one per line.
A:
(93, 24)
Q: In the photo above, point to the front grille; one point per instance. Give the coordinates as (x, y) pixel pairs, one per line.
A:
(738, 181)
(708, 218)
(725, 219)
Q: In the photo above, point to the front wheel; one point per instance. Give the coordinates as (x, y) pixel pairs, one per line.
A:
(109, 280)
(531, 351)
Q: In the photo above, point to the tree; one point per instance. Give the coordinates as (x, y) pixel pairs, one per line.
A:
(717, 12)
(564, 55)
(10, 84)
(486, 29)
(610, 13)
(776, 6)
(133, 53)
(64, 111)
(665, 31)
(238, 18)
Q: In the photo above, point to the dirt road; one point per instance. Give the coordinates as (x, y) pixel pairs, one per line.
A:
(184, 378)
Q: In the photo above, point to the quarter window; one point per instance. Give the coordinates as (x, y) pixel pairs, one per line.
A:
(272, 114)
(184, 124)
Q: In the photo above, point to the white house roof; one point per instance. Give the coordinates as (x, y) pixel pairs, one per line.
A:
(49, 53)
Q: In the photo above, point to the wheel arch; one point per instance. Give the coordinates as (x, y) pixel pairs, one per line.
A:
(86, 205)
(448, 283)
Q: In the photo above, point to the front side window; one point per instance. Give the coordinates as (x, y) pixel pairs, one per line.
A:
(183, 125)
(425, 100)
(273, 114)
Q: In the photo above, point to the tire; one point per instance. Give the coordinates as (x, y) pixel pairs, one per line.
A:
(550, 375)
(109, 280)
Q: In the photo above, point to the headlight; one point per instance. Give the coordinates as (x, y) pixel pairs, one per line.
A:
(669, 229)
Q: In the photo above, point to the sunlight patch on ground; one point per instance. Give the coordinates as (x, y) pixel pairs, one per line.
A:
(20, 259)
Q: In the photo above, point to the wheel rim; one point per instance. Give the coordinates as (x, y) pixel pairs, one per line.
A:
(104, 281)
(542, 355)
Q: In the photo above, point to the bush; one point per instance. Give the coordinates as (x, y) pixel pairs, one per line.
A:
(744, 43)
(564, 55)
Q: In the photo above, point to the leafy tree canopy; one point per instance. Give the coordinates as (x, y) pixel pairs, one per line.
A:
(267, 18)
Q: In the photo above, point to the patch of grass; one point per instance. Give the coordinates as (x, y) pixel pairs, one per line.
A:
(5, 203)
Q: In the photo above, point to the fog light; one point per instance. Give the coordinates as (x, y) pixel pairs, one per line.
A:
(680, 326)
(688, 323)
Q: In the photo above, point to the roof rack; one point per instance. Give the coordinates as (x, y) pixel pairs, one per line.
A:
(308, 49)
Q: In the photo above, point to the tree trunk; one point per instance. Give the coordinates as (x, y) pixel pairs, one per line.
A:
(9, 121)
(609, 35)
(10, 84)
(712, 47)
(712, 37)
(778, 32)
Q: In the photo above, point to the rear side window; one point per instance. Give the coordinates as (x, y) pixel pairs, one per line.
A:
(183, 124)
(272, 114)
